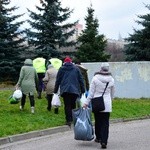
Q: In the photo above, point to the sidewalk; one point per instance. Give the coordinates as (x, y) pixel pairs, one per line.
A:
(39, 133)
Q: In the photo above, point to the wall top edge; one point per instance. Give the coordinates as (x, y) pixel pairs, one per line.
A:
(125, 62)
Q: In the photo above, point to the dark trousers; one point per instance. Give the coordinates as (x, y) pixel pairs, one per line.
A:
(69, 104)
(102, 126)
(49, 100)
(40, 83)
(49, 105)
(31, 98)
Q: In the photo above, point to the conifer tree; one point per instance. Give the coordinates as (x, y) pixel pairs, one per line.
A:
(91, 44)
(11, 40)
(51, 32)
(138, 48)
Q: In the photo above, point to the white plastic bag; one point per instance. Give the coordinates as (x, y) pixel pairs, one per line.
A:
(17, 94)
(56, 100)
(83, 99)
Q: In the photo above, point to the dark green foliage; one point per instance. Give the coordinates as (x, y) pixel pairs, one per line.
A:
(138, 48)
(50, 33)
(91, 44)
(10, 42)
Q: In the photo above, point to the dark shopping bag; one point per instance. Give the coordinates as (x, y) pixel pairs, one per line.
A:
(98, 104)
(83, 129)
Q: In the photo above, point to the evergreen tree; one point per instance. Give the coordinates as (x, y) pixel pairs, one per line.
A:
(91, 44)
(50, 32)
(10, 42)
(138, 48)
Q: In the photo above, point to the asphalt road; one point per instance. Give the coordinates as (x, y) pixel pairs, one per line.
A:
(133, 135)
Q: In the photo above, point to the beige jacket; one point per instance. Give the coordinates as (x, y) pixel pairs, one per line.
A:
(49, 80)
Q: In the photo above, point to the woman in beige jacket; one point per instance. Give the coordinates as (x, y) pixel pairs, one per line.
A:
(49, 81)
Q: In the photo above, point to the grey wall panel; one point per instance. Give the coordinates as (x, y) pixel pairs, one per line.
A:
(132, 79)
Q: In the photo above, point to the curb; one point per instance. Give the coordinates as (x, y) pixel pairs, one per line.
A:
(129, 119)
(34, 134)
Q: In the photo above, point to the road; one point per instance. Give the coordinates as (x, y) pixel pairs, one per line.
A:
(133, 135)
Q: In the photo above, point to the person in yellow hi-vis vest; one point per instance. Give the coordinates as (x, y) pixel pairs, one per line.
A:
(40, 66)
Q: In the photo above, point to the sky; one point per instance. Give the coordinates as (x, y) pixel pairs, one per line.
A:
(115, 16)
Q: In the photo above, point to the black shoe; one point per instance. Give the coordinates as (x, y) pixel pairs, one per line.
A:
(39, 97)
(103, 145)
(56, 110)
(68, 124)
(49, 109)
(97, 140)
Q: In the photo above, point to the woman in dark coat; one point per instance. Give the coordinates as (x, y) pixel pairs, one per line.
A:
(70, 81)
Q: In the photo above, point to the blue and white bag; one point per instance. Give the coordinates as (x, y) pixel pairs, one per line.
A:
(83, 128)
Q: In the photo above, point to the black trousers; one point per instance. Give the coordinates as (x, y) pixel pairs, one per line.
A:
(69, 104)
(102, 126)
(23, 100)
(40, 83)
(49, 101)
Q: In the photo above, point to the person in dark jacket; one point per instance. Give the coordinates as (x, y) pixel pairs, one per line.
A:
(84, 73)
(70, 81)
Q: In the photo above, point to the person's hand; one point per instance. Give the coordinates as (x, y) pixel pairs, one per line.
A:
(16, 86)
(85, 106)
(56, 94)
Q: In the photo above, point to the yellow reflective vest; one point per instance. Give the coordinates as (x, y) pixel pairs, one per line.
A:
(39, 65)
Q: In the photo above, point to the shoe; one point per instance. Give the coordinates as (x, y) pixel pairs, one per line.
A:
(103, 145)
(69, 124)
(49, 109)
(56, 110)
(32, 110)
(21, 108)
(39, 97)
(97, 140)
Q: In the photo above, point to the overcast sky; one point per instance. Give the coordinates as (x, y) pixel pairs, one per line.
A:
(115, 16)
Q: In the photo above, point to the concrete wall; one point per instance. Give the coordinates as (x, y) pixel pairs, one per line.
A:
(132, 79)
